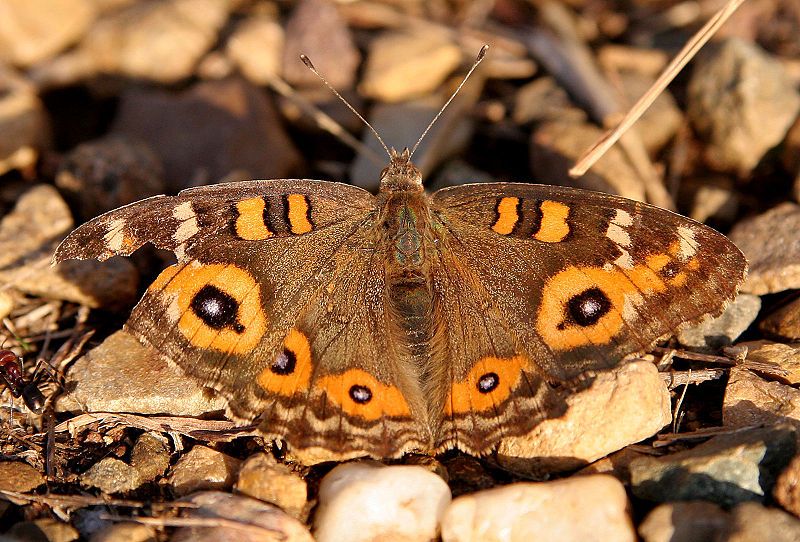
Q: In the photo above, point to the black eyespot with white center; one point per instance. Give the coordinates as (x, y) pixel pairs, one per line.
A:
(488, 382)
(588, 307)
(217, 309)
(285, 363)
(360, 394)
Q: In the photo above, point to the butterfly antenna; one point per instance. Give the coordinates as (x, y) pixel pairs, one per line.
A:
(481, 54)
(310, 66)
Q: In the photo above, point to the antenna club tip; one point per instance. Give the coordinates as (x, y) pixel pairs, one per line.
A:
(307, 61)
(482, 52)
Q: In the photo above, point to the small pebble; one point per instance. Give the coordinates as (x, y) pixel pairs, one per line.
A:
(772, 247)
(111, 475)
(784, 321)
(787, 488)
(203, 468)
(726, 470)
(256, 47)
(743, 103)
(715, 333)
(125, 532)
(576, 509)
(264, 478)
(622, 406)
(751, 522)
(750, 400)
(150, 457)
(366, 501)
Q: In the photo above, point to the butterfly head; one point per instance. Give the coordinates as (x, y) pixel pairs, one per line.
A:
(401, 174)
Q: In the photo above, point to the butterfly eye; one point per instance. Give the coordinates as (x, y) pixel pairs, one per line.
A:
(360, 394)
(488, 382)
(216, 308)
(586, 308)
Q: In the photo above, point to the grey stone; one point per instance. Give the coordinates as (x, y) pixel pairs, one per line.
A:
(715, 333)
(203, 468)
(111, 475)
(728, 469)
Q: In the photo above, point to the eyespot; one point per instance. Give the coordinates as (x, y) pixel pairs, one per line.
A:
(488, 382)
(360, 394)
(588, 307)
(216, 308)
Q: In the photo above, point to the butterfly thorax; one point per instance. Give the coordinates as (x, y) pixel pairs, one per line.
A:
(407, 238)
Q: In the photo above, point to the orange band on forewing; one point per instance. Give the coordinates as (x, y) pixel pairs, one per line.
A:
(183, 283)
(465, 396)
(386, 400)
(250, 222)
(298, 380)
(507, 216)
(553, 227)
(298, 213)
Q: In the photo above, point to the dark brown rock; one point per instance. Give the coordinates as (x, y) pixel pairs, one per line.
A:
(108, 173)
(316, 30)
(787, 487)
(18, 476)
(692, 521)
(214, 130)
(784, 321)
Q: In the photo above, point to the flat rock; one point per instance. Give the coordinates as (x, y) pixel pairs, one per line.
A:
(742, 102)
(125, 41)
(18, 476)
(29, 235)
(784, 322)
(772, 247)
(316, 29)
(256, 47)
(30, 34)
(107, 173)
(242, 519)
(24, 123)
(111, 475)
(691, 521)
(121, 375)
(264, 478)
(785, 356)
(751, 400)
(556, 145)
(149, 457)
(213, 130)
(726, 470)
(406, 65)
(787, 488)
(715, 333)
(751, 522)
(578, 508)
(366, 501)
(622, 406)
(201, 469)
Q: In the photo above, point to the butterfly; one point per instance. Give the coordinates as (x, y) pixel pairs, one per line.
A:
(406, 321)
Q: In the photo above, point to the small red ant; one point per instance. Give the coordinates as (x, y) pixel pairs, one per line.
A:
(11, 374)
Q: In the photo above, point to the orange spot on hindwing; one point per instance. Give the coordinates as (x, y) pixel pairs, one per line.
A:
(360, 394)
(251, 219)
(553, 226)
(298, 213)
(290, 371)
(490, 382)
(507, 215)
(216, 306)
